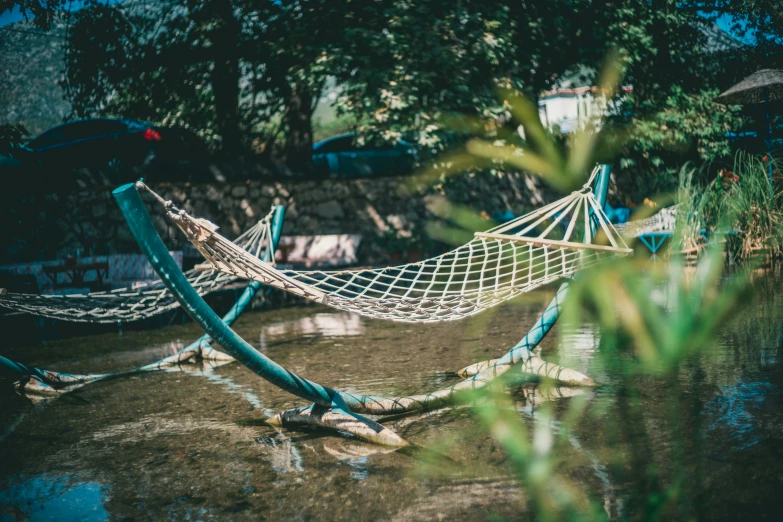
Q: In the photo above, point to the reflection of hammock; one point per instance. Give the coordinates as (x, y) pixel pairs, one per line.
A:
(495, 266)
(131, 304)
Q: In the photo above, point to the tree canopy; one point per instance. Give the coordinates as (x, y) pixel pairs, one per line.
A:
(247, 74)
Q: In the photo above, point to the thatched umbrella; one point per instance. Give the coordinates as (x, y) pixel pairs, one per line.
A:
(760, 87)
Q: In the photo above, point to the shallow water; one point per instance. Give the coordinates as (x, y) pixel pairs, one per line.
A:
(186, 444)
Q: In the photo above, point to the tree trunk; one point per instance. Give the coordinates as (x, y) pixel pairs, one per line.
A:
(298, 148)
(225, 78)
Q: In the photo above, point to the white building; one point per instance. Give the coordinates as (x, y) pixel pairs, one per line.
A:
(572, 108)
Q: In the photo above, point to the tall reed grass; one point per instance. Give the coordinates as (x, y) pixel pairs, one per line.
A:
(741, 206)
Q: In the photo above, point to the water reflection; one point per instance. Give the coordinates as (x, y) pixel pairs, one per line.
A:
(577, 346)
(175, 447)
(736, 411)
(283, 454)
(60, 498)
(355, 454)
(329, 324)
(206, 369)
(136, 357)
(613, 506)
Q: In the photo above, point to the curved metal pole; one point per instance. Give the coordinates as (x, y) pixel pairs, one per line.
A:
(522, 351)
(330, 410)
(523, 348)
(49, 379)
(152, 246)
(250, 290)
(21, 369)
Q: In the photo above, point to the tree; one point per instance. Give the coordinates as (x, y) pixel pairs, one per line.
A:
(11, 136)
(239, 72)
(172, 62)
(433, 58)
(440, 57)
(759, 23)
(40, 11)
(675, 61)
(247, 74)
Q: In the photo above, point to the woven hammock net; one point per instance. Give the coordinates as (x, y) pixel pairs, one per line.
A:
(140, 302)
(497, 265)
(663, 221)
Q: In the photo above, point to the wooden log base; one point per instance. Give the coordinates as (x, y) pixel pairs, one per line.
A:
(35, 386)
(210, 354)
(536, 366)
(332, 418)
(426, 401)
(476, 368)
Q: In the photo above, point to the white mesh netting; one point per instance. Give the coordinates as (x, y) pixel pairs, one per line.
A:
(495, 266)
(662, 221)
(140, 302)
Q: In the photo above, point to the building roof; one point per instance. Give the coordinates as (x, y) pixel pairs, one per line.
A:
(575, 91)
(764, 84)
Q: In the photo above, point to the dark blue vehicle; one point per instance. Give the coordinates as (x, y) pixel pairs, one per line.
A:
(99, 143)
(341, 156)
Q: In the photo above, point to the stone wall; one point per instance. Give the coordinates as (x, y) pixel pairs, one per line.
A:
(388, 212)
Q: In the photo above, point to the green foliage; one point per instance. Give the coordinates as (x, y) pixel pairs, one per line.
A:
(740, 206)
(40, 11)
(653, 320)
(666, 132)
(686, 123)
(326, 128)
(641, 339)
(540, 151)
(403, 65)
(756, 207)
(11, 136)
(239, 73)
(759, 22)
(439, 58)
(247, 75)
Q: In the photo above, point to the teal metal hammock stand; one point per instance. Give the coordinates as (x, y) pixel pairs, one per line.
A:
(37, 381)
(344, 411)
(332, 408)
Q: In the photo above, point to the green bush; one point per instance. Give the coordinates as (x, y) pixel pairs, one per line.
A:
(740, 205)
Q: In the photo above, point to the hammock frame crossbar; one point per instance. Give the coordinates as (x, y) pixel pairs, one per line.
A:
(664, 220)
